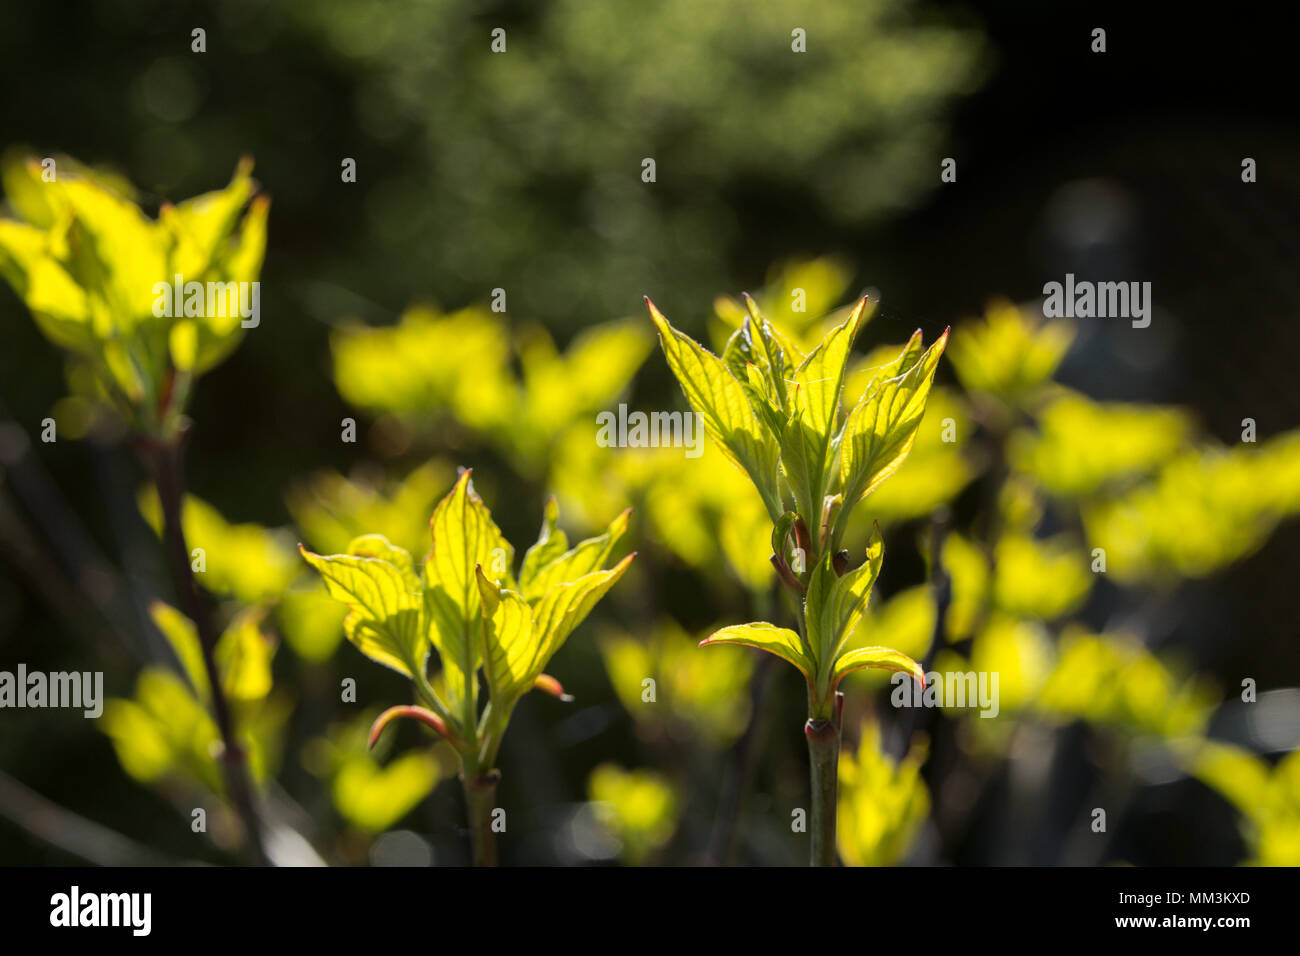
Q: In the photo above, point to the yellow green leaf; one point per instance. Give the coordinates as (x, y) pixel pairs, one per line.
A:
(332, 510)
(184, 640)
(385, 620)
(57, 303)
(377, 546)
(464, 537)
(637, 806)
(1044, 578)
(803, 463)
(551, 544)
(243, 657)
(808, 436)
(165, 729)
(835, 605)
(880, 431)
(883, 657)
(758, 353)
(416, 368)
(1081, 445)
(881, 364)
(20, 174)
(116, 254)
(560, 390)
(138, 740)
(585, 557)
(715, 395)
(1009, 353)
(238, 260)
(820, 378)
(799, 295)
(564, 607)
(183, 343)
(374, 797)
(200, 225)
(311, 622)
(882, 803)
(781, 641)
(509, 647)
(705, 692)
(245, 561)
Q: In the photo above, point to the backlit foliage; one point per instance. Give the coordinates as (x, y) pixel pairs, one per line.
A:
(86, 260)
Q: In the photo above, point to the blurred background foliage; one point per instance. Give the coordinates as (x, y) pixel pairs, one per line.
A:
(808, 180)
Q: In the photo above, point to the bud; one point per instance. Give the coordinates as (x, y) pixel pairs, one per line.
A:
(786, 575)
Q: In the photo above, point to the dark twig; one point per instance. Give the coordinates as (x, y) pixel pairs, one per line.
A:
(164, 459)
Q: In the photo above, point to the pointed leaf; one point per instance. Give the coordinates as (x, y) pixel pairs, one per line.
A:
(238, 259)
(563, 608)
(202, 224)
(464, 537)
(880, 431)
(882, 657)
(821, 375)
(782, 354)
(551, 544)
(585, 557)
(716, 395)
(781, 641)
(809, 439)
(900, 364)
(803, 462)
